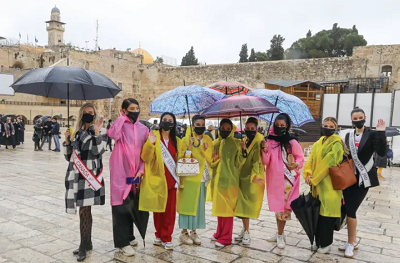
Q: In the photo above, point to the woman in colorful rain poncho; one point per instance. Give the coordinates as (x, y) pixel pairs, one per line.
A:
(227, 161)
(191, 197)
(126, 166)
(251, 181)
(326, 152)
(283, 157)
(158, 189)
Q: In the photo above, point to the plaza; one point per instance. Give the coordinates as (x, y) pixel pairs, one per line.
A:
(35, 228)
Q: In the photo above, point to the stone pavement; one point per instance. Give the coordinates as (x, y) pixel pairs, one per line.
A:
(35, 228)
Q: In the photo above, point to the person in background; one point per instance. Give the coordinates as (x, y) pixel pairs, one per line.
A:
(38, 134)
(17, 129)
(9, 133)
(109, 141)
(55, 131)
(22, 130)
(47, 126)
(363, 143)
(191, 198)
(283, 157)
(251, 181)
(209, 132)
(126, 166)
(158, 188)
(227, 161)
(84, 181)
(381, 163)
(326, 152)
(2, 133)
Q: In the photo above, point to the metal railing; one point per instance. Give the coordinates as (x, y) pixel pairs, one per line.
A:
(29, 103)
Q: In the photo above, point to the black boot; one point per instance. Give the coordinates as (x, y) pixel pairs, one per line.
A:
(88, 248)
(81, 255)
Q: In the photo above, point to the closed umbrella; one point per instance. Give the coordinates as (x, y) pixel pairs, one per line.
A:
(70, 83)
(392, 131)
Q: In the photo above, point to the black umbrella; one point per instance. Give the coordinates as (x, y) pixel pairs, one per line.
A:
(145, 123)
(73, 83)
(4, 118)
(392, 131)
(140, 218)
(306, 209)
(299, 131)
(44, 118)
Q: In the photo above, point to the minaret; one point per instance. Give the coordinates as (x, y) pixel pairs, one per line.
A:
(55, 28)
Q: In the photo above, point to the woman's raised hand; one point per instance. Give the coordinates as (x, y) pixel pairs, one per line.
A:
(264, 145)
(152, 137)
(381, 126)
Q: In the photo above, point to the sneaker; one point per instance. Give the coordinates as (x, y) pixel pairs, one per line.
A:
(274, 238)
(324, 250)
(127, 251)
(349, 253)
(185, 238)
(246, 240)
(133, 243)
(213, 238)
(281, 241)
(168, 245)
(157, 241)
(195, 238)
(343, 248)
(240, 236)
(217, 244)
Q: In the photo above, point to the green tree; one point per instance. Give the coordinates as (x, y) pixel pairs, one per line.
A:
(309, 34)
(243, 55)
(336, 42)
(159, 60)
(189, 59)
(252, 57)
(276, 51)
(261, 56)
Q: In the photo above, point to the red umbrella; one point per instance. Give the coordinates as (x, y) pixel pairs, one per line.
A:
(230, 88)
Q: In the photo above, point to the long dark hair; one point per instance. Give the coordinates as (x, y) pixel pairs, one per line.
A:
(173, 129)
(284, 139)
(129, 101)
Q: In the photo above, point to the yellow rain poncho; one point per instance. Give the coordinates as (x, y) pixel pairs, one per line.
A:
(153, 188)
(324, 155)
(251, 194)
(226, 175)
(189, 189)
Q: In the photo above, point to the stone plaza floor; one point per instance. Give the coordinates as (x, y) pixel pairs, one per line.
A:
(35, 228)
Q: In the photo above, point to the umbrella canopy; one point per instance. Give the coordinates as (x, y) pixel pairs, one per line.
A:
(239, 106)
(292, 105)
(299, 131)
(73, 83)
(392, 131)
(185, 100)
(306, 209)
(140, 218)
(230, 88)
(44, 118)
(4, 118)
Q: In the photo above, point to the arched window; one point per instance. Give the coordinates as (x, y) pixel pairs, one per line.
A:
(387, 70)
(112, 68)
(87, 65)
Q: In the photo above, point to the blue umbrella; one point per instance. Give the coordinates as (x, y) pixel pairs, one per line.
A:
(185, 100)
(292, 105)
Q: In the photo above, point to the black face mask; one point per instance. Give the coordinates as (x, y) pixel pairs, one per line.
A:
(328, 132)
(199, 130)
(87, 118)
(166, 125)
(224, 134)
(279, 130)
(250, 134)
(359, 124)
(133, 115)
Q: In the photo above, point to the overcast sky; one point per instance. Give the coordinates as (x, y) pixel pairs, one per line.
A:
(216, 28)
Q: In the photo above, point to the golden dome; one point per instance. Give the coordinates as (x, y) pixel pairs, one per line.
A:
(147, 58)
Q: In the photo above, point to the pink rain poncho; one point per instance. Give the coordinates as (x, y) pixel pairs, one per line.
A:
(275, 175)
(125, 159)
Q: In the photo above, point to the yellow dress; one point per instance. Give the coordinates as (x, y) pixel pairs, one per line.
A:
(325, 154)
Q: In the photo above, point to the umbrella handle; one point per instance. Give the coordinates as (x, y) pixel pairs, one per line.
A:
(190, 121)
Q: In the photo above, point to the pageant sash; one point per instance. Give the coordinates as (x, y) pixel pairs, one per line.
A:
(94, 182)
(288, 174)
(169, 163)
(364, 178)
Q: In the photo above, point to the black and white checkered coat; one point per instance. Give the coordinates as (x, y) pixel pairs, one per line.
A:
(90, 149)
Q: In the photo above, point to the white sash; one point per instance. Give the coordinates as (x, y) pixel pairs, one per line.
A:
(363, 178)
(94, 182)
(169, 163)
(288, 173)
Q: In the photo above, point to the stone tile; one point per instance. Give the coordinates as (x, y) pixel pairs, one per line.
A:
(391, 253)
(328, 258)
(36, 240)
(252, 253)
(24, 235)
(294, 252)
(54, 247)
(10, 228)
(382, 238)
(27, 255)
(247, 260)
(372, 257)
(137, 258)
(177, 257)
(206, 253)
(92, 257)
(7, 245)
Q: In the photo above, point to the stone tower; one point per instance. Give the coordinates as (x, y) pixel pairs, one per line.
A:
(55, 28)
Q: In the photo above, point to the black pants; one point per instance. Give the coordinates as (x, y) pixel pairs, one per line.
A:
(47, 137)
(37, 143)
(109, 141)
(123, 223)
(353, 197)
(325, 228)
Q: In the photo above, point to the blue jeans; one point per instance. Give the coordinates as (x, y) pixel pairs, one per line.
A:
(56, 141)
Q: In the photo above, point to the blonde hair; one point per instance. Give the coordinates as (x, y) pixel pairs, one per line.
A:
(80, 124)
(332, 119)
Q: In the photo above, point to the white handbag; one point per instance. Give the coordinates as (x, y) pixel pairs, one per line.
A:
(187, 167)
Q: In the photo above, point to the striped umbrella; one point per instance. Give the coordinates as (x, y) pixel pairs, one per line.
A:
(230, 88)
